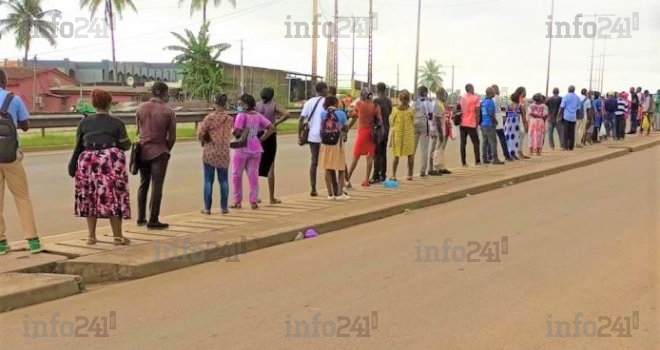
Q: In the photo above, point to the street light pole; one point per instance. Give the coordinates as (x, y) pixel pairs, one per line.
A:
(419, 18)
(547, 76)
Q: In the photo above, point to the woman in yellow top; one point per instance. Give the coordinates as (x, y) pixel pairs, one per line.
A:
(402, 140)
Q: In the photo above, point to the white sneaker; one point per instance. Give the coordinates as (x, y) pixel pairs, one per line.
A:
(332, 198)
(343, 197)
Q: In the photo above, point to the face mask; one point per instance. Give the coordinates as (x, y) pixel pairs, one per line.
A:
(240, 108)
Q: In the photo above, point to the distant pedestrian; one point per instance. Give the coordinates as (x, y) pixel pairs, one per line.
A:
(524, 123)
(332, 157)
(310, 118)
(620, 117)
(538, 113)
(513, 124)
(332, 91)
(247, 158)
(635, 107)
(276, 115)
(488, 124)
(215, 134)
(554, 119)
(157, 131)
(367, 115)
(500, 116)
(442, 114)
(423, 125)
(402, 140)
(598, 117)
(581, 118)
(101, 179)
(380, 160)
(470, 105)
(570, 104)
(656, 119)
(13, 173)
(611, 107)
(648, 109)
(588, 119)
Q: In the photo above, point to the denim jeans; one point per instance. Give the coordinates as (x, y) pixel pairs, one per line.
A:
(223, 179)
(551, 134)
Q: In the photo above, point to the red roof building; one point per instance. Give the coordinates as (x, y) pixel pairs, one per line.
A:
(34, 88)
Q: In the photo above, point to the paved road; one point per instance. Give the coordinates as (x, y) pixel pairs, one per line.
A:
(52, 189)
(584, 241)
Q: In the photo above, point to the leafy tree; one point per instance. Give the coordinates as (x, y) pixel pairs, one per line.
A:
(430, 75)
(203, 74)
(196, 5)
(109, 8)
(26, 21)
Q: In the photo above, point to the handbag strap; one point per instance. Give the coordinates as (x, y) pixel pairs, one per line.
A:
(314, 109)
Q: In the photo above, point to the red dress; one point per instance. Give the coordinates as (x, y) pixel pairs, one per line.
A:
(366, 112)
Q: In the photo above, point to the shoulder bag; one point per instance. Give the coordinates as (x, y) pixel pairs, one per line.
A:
(134, 163)
(240, 142)
(304, 133)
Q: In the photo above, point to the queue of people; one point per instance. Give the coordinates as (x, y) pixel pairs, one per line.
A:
(99, 164)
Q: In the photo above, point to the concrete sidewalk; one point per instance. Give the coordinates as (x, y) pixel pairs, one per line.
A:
(195, 238)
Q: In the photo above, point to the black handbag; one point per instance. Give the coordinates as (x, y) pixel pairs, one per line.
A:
(134, 163)
(240, 142)
(378, 133)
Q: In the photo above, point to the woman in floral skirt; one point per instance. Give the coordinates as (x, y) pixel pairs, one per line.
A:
(101, 180)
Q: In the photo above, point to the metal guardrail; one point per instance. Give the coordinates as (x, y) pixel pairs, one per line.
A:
(71, 120)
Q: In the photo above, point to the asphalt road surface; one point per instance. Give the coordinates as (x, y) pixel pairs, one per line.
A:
(51, 188)
(582, 243)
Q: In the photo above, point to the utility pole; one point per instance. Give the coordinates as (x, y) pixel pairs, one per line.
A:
(242, 74)
(419, 19)
(593, 51)
(602, 66)
(547, 76)
(371, 45)
(397, 76)
(335, 48)
(353, 59)
(315, 44)
(34, 84)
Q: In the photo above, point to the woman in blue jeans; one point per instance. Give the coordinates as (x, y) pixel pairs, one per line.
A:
(215, 133)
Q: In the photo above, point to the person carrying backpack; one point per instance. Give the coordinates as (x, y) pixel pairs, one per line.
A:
(331, 154)
(13, 114)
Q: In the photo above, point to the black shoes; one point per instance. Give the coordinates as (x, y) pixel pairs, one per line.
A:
(141, 222)
(157, 225)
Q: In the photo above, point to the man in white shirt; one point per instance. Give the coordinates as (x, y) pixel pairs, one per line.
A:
(423, 127)
(311, 116)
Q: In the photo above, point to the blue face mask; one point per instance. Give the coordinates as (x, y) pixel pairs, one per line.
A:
(240, 108)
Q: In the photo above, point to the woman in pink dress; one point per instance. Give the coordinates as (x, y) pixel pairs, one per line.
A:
(538, 113)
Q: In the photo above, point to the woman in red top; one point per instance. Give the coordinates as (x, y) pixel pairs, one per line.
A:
(367, 114)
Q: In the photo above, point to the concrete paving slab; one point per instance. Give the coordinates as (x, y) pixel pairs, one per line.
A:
(24, 261)
(22, 289)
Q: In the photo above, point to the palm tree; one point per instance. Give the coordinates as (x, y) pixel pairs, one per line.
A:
(26, 21)
(110, 6)
(203, 74)
(430, 74)
(196, 5)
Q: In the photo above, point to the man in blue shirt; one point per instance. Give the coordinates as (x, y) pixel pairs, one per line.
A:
(13, 174)
(488, 124)
(569, 109)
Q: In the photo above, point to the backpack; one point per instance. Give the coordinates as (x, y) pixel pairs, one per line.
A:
(8, 133)
(330, 129)
(580, 111)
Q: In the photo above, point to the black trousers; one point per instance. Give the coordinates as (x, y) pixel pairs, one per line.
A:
(380, 160)
(474, 137)
(620, 127)
(152, 173)
(314, 149)
(569, 135)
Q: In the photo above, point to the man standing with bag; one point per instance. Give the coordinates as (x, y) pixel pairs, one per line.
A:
(11, 169)
(380, 161)
(309, 130)
(423, 123)
(157, 130)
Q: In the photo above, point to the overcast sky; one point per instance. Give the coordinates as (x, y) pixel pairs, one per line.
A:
(489, 41)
